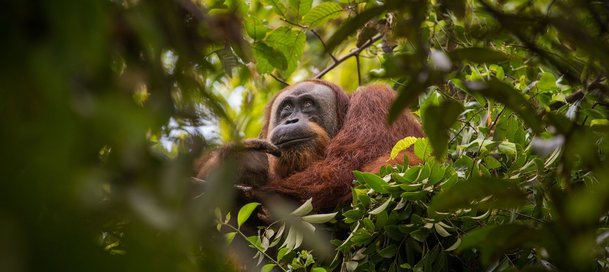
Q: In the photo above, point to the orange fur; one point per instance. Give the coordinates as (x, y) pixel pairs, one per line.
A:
(364, 140)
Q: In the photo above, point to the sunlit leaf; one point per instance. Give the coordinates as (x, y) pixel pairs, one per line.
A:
(268, 58)
(229, 237)
(290, 43)
(245, 212)
(321, 13)
(401, 145)
(547, 82)
(278, 7)
(255, 28)
(268, 267)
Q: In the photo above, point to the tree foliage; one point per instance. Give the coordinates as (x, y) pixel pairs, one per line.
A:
(106, 103)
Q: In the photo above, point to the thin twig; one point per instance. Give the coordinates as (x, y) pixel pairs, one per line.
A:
(314, 33)
(351, 54)
(251, 243)
(359, 72)
(279, 80)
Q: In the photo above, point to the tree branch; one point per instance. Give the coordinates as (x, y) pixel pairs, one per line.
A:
(279, 80)
(351, 54)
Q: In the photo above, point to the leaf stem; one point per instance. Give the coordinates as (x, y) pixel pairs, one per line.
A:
(279, 80)
(255, 246)
(351, 54)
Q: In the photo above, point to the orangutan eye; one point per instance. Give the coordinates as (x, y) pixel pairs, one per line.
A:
(287, 107)
(307, 104)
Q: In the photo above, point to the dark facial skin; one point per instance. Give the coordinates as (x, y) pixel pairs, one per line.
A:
(295, 109)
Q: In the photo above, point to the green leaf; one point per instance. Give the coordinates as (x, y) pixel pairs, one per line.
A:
(507, 148)
(281, 253)
(438, 119)
(321, 13)
(420, 234)
(229, 237)
(255, 28)
(278, 7)
(389, 251)
(304, 209)
(422, 149)
(245, 212)
(511, 98)
(480, 55)
(304, 7)
(268, 267)
(491, 163)
(290, 43)
(547, 82)
(381, 208)
(402, 145)
(318, 269)
(319, 218)
(373, 181)
(268, 58)
(299, 8)
(479, 192)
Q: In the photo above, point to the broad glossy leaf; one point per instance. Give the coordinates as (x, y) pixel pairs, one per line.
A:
(290, 43)
(245, 212)
(268, 58)
(373, 181)
(321, 13)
